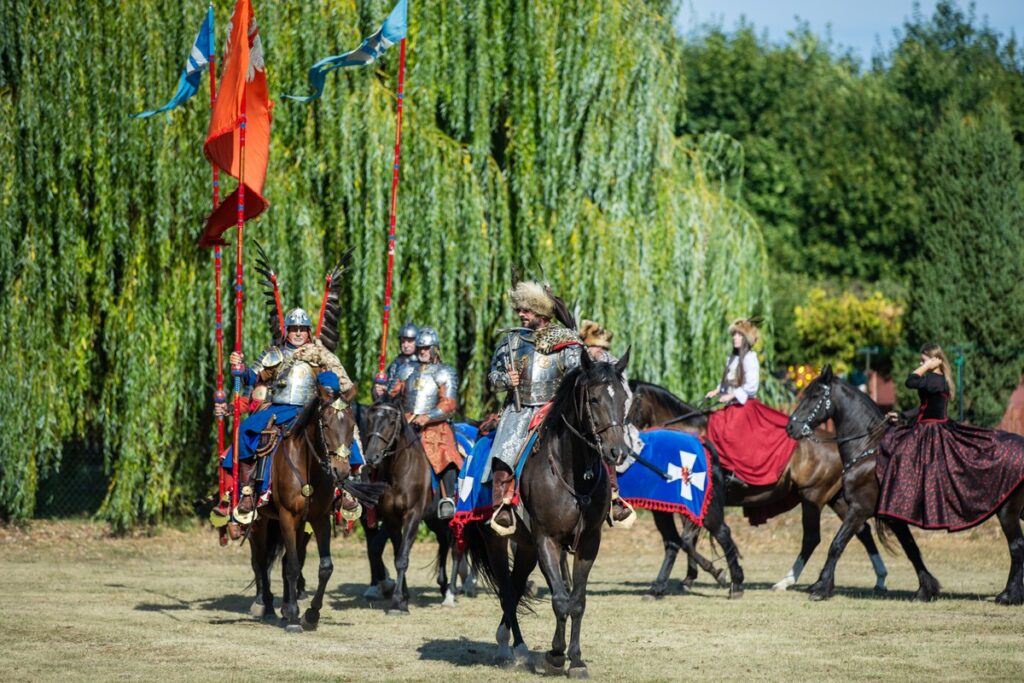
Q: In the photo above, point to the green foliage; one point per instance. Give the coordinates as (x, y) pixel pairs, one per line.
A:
(969, 274)
(534, 133)
(831, 328)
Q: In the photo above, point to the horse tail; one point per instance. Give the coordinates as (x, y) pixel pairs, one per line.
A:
(476, 550)
(884, 537)
(366, 492)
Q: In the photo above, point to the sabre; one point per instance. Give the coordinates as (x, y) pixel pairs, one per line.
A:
(652, 467)
(517, 404)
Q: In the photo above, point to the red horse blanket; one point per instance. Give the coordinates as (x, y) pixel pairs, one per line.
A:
(751, 441)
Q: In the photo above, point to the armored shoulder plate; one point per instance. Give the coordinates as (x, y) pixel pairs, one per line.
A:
(269, 359)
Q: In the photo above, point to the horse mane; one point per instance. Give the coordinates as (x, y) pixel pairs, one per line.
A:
(859, 397)
(303, 419)
(663, 394)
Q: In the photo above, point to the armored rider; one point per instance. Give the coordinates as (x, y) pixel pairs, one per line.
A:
(407, 345)
(293, 372)
(598, 340)
(529, 364)
(430, 390)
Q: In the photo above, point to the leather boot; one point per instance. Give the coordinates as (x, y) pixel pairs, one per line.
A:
(446, 504)
(245, 511)
(621, 513)
(502, 518)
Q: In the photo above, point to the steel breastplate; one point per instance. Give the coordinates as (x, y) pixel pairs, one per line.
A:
(539, 375)
(422, 392)
(295, 385)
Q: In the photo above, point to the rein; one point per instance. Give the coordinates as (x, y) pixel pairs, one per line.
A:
(390, 443)
(873, 433)
(582, 500)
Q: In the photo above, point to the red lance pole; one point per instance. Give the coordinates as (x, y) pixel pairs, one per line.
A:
(236, 371)
(219, 396)
(394, 207)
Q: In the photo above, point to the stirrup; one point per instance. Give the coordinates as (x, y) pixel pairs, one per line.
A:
(220, 515)
(446, 508)
(498, 528)
(246, 517)
(626, 523)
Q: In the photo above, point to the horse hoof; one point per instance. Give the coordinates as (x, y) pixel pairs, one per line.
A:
(880, 590)
(398, 612)
(550, 665)
(293, 628)
(735, 591)
(387, 587)
(578, 672)
(687, 583)
(719, 575)
(1008, 598)
(819, 595)
(782, 586)
(258, 610)
(310, 620)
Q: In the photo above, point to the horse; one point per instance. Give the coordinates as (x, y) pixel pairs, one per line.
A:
(860, 425)
(394, 449)
(310, 460)
(565, 496)
(812, 476)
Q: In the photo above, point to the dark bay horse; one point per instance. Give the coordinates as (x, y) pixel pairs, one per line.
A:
(311, 459)
(812, 477)
(565, 498)
(393, 447)
(860, 425)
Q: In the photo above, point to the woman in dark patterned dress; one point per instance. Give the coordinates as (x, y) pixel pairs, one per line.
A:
(938, 474)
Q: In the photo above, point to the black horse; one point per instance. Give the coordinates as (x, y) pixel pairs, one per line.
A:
(860, 425)
(812, 478)
(395, 450)
(565, 498)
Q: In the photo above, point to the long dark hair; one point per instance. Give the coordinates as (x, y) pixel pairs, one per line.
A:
(742, 351)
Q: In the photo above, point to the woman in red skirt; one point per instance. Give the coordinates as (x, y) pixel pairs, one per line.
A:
(749, 436)
(939, 474)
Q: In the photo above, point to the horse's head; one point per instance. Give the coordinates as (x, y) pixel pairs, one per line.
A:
(815, 407)
(337, 430)
(601, 400)
(385, 423)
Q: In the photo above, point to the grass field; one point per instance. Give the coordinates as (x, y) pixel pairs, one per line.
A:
(77, 604)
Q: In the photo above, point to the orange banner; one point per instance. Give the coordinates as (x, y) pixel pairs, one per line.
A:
(243, 83)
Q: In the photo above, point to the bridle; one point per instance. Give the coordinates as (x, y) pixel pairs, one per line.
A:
(807, 431)
(329, 455)
(390, 442)
(583, 410)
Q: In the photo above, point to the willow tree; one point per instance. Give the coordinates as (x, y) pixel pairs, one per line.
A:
(536, 134)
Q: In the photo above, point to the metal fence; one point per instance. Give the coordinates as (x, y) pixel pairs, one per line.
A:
(77, 488)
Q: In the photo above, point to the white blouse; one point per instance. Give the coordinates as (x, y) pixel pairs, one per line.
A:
(751, 377)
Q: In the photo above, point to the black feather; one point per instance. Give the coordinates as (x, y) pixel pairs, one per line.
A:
(329, 334)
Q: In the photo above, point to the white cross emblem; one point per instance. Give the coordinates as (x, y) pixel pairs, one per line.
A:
(685, 474)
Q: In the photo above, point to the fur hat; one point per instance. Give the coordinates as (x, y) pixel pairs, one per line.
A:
(595, 334)
(747, 328)
(532, 297)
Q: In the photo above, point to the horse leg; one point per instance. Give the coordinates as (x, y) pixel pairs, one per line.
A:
(1009, 520)
(402, 540)
(290, 530)
(811, 519)
(867, 539)
(824, 587)
(585, 556)
(714, 521)
(928, 585)
(322, 529)
(261, 553)
(549, 555)
(444, 542)
(524, 560)
(691, 532)
(381, 586)
(497, 560)
(666, 524)
(301, 584)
